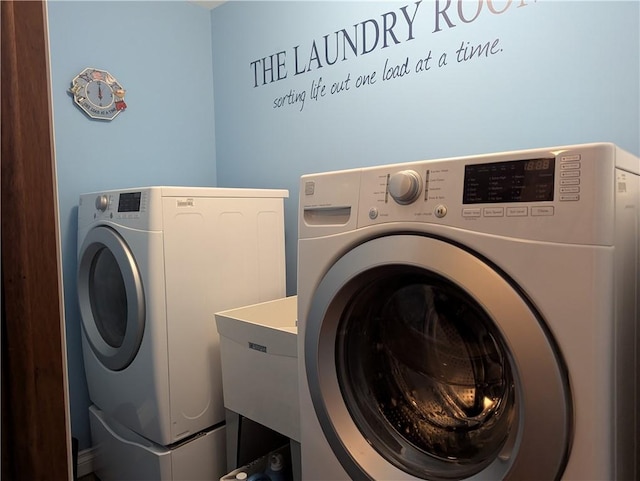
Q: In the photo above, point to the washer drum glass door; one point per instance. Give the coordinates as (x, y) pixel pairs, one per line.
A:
(111, 298)
(425, 362)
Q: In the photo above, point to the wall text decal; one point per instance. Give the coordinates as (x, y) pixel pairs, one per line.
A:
(390, 29)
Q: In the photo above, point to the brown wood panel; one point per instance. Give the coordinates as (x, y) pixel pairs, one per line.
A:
(35, 432)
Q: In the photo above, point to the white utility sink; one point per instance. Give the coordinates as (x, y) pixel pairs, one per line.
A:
(259, 351)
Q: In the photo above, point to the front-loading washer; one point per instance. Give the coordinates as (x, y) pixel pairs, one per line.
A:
(154, 266)
(471, 318)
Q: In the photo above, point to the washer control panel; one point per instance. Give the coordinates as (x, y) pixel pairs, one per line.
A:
(516, 188)
(538, 194)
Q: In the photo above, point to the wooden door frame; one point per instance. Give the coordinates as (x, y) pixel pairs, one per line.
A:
(35, 414)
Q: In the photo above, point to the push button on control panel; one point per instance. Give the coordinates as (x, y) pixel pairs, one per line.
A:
(440, 211)
(517, 211)
(542, 211)
(471, 212)
(493, 212)
(570, 181)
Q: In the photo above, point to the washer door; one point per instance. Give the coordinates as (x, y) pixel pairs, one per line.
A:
(111, 298)
(424, 362)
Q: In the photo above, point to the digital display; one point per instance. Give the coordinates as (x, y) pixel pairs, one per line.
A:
(129, 202)
(528, 180)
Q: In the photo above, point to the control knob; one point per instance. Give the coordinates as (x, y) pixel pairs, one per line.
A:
(102, 202)
(405, 186)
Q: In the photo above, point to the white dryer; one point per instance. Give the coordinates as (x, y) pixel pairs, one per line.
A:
(471, 318)
(154, 265)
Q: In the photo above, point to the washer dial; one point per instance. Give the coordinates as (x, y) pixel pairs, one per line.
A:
(405, 186)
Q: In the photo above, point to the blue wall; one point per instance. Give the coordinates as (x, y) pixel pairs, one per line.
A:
(161, 53)
(560, 73)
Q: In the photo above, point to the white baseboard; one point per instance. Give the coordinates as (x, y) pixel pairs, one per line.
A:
(85, 461)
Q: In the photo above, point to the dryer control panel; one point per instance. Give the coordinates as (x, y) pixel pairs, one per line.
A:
(128, 208)
(118, 205)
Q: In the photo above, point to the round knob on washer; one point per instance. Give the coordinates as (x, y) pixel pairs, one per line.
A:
(102, 202)
(405, 186)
